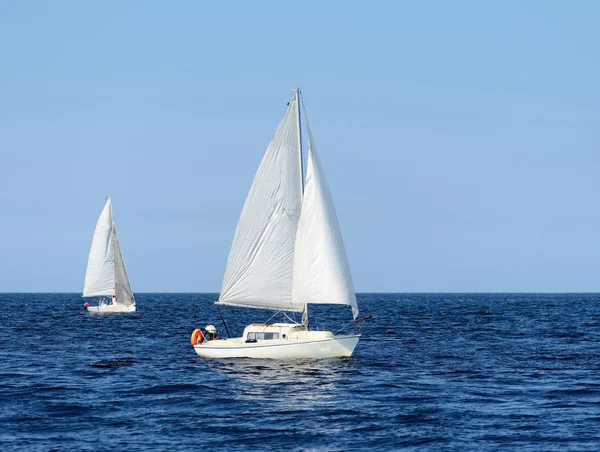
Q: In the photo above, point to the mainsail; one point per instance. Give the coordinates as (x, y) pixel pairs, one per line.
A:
(260, 265)
(106, 274)
(321, 270)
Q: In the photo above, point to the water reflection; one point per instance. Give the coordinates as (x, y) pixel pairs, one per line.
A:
(285, 383)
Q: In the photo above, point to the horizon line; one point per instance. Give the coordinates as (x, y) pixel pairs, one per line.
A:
(357, 293)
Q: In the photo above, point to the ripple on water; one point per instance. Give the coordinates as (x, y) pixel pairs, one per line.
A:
(440, 372)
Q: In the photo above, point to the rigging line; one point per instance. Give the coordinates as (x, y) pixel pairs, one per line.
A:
(305, 111)
(358, 323)
(289, 318)
(272, 316)
(224, 322)
(344, 327)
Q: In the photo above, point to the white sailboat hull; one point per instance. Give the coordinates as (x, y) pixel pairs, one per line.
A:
(334, 347)
(106, 309)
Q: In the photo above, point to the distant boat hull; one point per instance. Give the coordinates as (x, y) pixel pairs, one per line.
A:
(108, 309)
(334, 347)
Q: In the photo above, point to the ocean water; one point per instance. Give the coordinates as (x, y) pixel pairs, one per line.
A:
(432, 372)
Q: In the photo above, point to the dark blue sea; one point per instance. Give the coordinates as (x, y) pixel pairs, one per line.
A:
(432, 372)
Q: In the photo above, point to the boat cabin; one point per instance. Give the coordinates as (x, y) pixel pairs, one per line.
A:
(258, 332)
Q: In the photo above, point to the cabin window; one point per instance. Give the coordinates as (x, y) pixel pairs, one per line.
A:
(262, 336)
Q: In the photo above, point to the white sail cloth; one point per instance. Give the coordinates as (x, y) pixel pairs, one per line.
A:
(288, 252)
(122, 286)
(106, 274)
(259, 270)
(321, 270)
(100, 275)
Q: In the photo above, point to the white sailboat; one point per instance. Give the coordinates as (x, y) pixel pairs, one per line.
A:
(287, 253)
(106, 275)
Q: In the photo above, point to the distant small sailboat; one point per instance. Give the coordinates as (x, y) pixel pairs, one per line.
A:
(106, 275)
(287, 253)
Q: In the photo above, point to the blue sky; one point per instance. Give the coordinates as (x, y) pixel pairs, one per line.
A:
(460, 139)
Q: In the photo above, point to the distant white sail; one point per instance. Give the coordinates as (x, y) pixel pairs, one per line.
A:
(122, 286)
(321, 270)
(106, 268)
(260, 265)
(100, 275)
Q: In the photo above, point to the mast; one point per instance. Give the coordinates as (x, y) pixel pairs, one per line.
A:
(113, 232)
(297, 92)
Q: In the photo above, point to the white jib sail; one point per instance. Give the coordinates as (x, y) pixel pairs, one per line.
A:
(321, 270)
(106, 273)
(100, 275)
(122, 285)
(260, 265)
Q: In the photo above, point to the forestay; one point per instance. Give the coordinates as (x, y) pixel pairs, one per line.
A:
(259, 270)
(321, 270)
